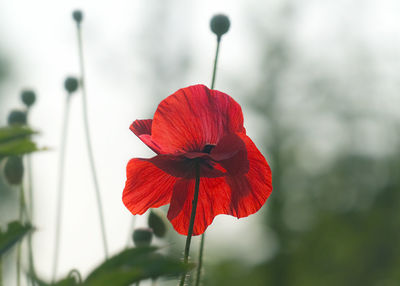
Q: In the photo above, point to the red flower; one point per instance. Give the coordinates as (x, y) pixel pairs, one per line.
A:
(196, 124)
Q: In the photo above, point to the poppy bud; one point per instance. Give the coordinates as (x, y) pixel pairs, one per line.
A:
(142, 237)
(17, 117)
(157, 224)
(71, 84)
(78, 16)
(14, 170)
(220, 25)
(28, 97)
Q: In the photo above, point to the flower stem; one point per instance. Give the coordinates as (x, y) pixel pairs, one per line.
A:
(29, 177)
(131, 227)
(61, 166)
(215, 63)
(22, 212)
(1, 272)
(32, 271)
(200, 261)
(203, 236)
(88, 140)
(192, 217)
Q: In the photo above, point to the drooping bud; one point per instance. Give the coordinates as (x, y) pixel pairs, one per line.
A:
(77, 15)
(17, 117)
(71, 84)
(142, 237)
(28, 97)
(219, 25)
(14, 170)
(157, 224)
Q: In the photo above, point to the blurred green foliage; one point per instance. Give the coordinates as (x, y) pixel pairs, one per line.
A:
(15, 140)
(14, 233)
(334, 214)
(127, 267)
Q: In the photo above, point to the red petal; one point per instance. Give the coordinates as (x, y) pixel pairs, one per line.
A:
(250, 191)
(231, 154)
(212, 201)
(142, 129)
(195, 116)
(146, 187)
(236, 195)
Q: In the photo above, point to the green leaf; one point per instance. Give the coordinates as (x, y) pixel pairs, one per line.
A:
(15, 140)
(17, 147)
(133, 265)
(14, 132)
(14, 233)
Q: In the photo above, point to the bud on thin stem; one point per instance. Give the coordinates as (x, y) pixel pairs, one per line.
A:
(28, 97)
(219, 25)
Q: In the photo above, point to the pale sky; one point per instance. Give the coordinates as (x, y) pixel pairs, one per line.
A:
(39, 38)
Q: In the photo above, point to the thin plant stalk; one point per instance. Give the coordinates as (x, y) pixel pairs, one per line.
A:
(88, 140)
(192, 218)
(30, 188)
(29, 178)
(203, 236)
(60, 187)
(22, 212)
(32, 272)
(200, 260)
(215, 63)
(1, 272)
(19, 264)
(131, 227)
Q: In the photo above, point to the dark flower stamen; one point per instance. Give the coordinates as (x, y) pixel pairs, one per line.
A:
(207, 148)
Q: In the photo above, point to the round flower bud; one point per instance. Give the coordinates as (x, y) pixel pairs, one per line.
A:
(14, 170)
(157, 224)
(77, 15)
(17, 117)
(71, 84)
(28, 97)
(220, 24)
(142, 237)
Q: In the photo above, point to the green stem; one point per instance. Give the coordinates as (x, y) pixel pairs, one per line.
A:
(29, 176)
(60, 186)
(1, 272)
(200, 261)
(76, 275)
(32, 272)
(132, 226)
(22, 212)
(19, 264)
(192, 218)
(215, 63)
(203, 236)
(88, 140)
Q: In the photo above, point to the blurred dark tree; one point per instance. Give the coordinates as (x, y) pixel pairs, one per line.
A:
(335, 218)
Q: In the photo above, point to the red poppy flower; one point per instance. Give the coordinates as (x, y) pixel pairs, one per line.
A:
(196, 125)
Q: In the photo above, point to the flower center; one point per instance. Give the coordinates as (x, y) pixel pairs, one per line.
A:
(207, 148)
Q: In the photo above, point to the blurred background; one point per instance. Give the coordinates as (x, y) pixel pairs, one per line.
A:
(319, 86)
